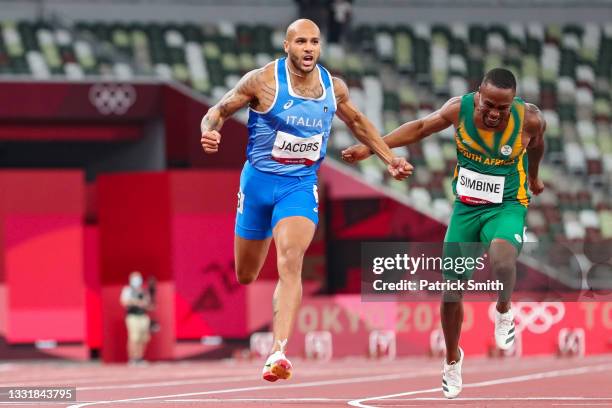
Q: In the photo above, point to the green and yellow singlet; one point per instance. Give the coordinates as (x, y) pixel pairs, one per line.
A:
(491, 166)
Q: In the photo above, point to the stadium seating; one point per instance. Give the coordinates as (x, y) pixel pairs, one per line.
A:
(395, 73)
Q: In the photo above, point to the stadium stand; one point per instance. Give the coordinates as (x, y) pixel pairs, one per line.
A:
(396, 73)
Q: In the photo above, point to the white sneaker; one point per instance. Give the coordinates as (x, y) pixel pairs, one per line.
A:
(504, 329)
(451, 377)
(277, 365)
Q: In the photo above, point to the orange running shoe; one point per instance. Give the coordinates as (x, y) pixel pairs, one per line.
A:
(277, 365)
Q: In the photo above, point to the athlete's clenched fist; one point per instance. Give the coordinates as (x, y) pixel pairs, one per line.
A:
(210, 141)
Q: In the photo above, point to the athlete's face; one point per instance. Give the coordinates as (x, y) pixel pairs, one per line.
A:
(303, 45)
(493, 104)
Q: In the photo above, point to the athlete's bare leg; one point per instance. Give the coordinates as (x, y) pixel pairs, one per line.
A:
(503, 264)
(249, 256)
(451, 317)
(292, 236)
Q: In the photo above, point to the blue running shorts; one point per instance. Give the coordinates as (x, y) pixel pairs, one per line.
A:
(266, 198)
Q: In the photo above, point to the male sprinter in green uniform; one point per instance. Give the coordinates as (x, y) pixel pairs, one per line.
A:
(494, 130)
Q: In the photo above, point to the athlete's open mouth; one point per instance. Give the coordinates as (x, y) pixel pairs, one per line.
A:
(308, 60)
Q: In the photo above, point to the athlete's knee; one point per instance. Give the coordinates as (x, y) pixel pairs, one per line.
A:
(246, 279)
(246, 275)
(503, 266)
(502, 257)
(289, 262)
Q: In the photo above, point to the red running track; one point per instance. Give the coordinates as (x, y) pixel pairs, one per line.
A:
(413, 382)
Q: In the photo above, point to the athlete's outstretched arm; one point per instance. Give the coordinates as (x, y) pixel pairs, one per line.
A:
(240, 96)
(535, 125)
(413, 131)
(366, 133)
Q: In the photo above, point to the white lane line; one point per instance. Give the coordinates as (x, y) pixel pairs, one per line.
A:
(506, 380)
(190, 379)
(97, 379)
(34, 403)
(218, 400)
(242, 378)
(269, 402)
(230, 379)
(236, 378)
(509, 399)
(351, 380)
(169, 383)
(202, 374)
(305, 399)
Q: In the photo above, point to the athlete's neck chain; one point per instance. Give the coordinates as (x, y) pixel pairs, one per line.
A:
(297, 75)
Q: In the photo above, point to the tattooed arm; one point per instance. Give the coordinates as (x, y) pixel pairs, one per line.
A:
(243, 94)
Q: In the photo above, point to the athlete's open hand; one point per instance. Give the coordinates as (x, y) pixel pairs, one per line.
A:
(356, 153)
(536, 186)
(210, 141)
(399, 168)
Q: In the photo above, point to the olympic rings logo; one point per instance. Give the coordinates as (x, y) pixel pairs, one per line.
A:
(112, 98)
(537, 317)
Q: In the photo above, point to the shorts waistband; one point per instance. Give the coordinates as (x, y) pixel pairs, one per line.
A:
(252, 171)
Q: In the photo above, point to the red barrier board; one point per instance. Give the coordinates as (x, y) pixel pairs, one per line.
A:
(41, 224)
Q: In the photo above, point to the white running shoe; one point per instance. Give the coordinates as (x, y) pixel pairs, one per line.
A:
(451, 377)
(277, 365)
(504, 329)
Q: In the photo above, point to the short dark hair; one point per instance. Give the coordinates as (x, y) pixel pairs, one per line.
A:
(500, 78)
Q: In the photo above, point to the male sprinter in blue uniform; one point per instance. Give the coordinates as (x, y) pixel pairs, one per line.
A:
(292, 103)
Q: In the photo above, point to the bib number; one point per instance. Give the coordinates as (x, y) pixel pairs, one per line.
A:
(477, 188)
(289, 149)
